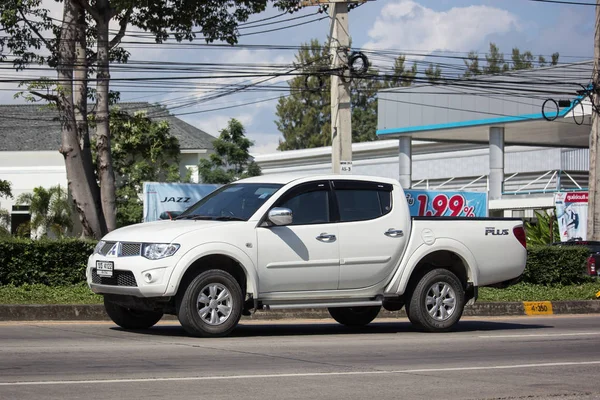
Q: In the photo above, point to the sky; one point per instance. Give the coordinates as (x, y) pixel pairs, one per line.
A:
(409, 26)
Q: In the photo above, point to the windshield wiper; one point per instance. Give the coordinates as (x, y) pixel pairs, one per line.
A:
(193, 216)
(228, 218)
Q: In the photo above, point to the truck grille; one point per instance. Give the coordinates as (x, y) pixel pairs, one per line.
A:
(123, 249)
(119, 278)
(130, 249)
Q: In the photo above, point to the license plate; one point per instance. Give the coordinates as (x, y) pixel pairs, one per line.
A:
(105, 268)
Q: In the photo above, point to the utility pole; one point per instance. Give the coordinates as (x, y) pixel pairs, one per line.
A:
(341, 113)
(593, 227)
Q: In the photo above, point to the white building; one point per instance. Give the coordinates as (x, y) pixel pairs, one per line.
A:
(30, 139)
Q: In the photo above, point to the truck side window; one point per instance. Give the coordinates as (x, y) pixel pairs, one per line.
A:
(362, 201)
(309, 207)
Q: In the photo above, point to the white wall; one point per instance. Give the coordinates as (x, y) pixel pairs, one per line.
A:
(26, 170)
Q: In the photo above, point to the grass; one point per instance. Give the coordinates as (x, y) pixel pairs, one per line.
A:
(528, 292)
(42, 294)
(81, 294)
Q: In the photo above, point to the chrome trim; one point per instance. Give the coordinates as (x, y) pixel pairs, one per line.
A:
(325, 237)
(281, 216)
(115, 249)
(394, 232)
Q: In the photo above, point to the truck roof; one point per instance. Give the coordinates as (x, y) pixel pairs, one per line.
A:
(284, 179)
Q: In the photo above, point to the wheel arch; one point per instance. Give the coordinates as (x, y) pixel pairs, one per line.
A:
(446, 253)
(214, 256)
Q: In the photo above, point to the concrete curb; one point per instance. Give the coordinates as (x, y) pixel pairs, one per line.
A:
(95, 312)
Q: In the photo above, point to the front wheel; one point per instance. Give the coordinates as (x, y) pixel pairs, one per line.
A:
(354, 316)
(211, 305)
(437, 302)
(130, 318)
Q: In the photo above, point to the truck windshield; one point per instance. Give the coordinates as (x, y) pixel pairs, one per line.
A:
(237, 201)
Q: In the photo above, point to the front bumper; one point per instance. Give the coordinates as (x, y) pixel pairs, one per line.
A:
(130, 276)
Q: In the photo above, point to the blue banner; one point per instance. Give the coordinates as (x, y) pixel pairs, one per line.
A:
(167, 200)
(429, 203)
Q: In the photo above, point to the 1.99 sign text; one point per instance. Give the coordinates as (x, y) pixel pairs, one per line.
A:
(444, 206)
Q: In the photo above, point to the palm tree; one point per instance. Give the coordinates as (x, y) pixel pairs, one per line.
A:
(4, 222)
(50, 211)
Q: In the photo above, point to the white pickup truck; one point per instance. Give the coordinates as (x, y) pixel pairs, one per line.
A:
(345, 243)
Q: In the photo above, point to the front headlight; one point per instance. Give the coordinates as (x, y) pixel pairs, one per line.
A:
(156, 251)
(99, 247)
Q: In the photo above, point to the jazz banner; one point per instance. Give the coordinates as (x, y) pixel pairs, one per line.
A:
(166, 200)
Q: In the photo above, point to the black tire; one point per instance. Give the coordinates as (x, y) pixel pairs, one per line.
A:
(354, 316)
(444, 313)
(213, 322)
(128, 318)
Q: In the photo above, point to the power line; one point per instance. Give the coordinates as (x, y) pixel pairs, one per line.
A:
(574, 3)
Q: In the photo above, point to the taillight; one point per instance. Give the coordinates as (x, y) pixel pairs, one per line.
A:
(519, 233)
(591, 266)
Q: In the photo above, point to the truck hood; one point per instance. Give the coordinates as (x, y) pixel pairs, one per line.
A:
(161, 231)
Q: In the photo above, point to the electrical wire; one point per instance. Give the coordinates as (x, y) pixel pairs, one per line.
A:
(574, 3)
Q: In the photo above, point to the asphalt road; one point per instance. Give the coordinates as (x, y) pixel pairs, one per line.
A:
(493, 358)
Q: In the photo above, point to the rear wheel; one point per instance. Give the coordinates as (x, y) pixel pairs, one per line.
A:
(130, 318)
(354, 316)
(437, 302)
(211, 305)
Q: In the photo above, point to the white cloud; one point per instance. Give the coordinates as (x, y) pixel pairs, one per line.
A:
(405, 24)
(215, 123)
(264, 143)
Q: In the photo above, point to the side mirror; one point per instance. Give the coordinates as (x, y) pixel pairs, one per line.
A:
(280, 216)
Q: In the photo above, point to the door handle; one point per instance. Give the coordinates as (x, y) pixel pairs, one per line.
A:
(325, 237)
(394, 232)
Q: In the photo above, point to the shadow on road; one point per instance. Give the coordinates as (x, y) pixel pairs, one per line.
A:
(320, 328)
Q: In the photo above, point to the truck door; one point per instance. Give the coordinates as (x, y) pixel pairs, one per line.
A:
(371, 236)
(305, 255)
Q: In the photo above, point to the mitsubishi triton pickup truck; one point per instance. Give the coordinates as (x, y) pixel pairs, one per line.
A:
(342, 242)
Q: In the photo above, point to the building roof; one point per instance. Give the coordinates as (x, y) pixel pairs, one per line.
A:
(35, 127)
(464, 110)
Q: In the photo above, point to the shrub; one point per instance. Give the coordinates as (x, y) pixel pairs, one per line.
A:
(549, 265)
(63, 262)
(48, 262)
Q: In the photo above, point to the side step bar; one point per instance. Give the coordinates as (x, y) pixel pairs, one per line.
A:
(366, 303)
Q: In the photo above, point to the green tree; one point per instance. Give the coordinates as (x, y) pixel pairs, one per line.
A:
(143, 150)
(231, 160)
(50, 211)
(304, 117)
(433, 73)
(472, 64)
(521, 60)
(81, 47)
(495, 61)
(401, 75)
(5, 191)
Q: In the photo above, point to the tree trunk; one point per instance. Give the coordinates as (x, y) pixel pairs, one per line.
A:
(80, 95)
(593, 227)
(76, 174)
(103, 157)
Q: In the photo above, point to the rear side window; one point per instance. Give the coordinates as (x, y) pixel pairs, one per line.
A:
(362, 203)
